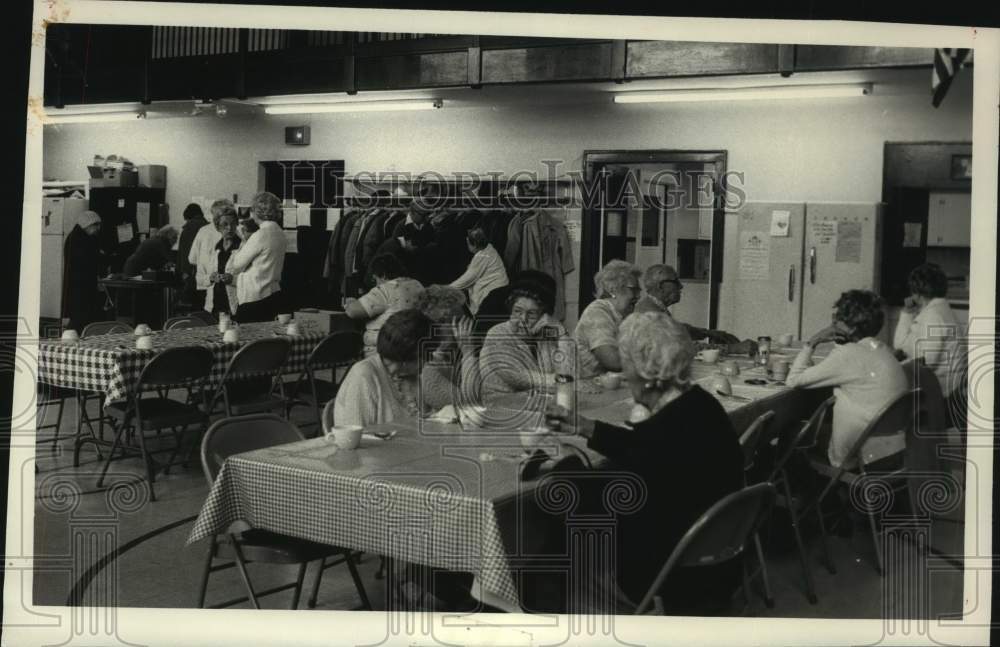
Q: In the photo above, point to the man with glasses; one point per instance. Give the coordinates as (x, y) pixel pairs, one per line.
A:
(663, 289)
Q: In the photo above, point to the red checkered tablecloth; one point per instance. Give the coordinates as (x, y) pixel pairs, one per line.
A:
(111, 364)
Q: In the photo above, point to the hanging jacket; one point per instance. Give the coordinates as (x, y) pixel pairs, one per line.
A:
(546, 246)
(334, 265)
(512, 251)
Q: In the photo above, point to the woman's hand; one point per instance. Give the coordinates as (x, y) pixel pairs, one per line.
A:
(213, 277)
(561, 420)
(547, 321)
(830, 333)
(461, 329)
(911, 305)
(226, 278)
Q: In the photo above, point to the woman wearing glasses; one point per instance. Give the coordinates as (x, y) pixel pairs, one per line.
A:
(597, 331)
(525, 352)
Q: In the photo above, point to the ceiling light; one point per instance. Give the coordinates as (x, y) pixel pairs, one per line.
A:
(355, 106)
(92, 117)
(748, 94)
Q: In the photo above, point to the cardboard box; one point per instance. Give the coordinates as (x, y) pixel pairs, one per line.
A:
(329, 321)
(153, 175)
(112, 177)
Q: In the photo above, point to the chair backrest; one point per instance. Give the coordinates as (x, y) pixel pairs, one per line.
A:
(243, 434)
(178, 366)
(719, 535)
(342, 347)
(207, 317)
(760, 430)
(326, 420)
(895, 417)
(807, 436)
(260, 357)
(179, 323)
(105, 328)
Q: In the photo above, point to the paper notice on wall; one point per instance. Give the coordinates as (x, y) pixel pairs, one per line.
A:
(779, 223)
(142, 217)
(303, 216)
(291, 241)
(289, 218)
(823, 231)
(614, 225)
(848, 242)
(332, 218)
(573, 230)
(125, 233)
(755, 256)
(911, 234)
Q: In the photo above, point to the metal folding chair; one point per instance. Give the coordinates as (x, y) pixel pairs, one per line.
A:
(251, 378)
(760, 432)
(236, 435)
(182, 322)
(336, 351)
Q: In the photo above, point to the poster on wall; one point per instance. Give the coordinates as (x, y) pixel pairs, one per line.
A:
(755, 256)
(848, 242)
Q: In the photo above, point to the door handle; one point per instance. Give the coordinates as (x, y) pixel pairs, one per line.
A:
(791, 283)
(812, 265)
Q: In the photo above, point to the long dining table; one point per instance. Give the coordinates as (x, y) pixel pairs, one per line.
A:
(444, 493)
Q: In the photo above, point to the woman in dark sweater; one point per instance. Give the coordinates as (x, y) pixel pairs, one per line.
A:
(682, 445)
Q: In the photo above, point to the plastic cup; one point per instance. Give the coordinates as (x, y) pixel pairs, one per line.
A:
(70, 335)
(709, 355)
(284, 318)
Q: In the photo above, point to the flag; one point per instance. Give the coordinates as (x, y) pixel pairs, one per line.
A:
(946, 64)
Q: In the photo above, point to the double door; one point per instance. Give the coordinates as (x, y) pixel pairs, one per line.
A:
(791, 261)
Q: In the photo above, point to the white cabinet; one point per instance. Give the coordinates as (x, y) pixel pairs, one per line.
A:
(949, 219)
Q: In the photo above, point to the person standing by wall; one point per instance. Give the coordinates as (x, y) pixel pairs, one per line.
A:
(83, 264)
(194, 220)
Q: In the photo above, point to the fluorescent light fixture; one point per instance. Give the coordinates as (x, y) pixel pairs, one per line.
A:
(353, 106)
(748, 94)
(92, 117)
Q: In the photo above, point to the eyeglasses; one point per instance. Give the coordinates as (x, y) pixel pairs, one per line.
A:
(676, 282)
(520, 313)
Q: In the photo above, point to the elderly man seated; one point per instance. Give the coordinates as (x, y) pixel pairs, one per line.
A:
(663, 289)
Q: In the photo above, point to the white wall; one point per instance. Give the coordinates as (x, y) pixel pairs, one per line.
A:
(818, 150)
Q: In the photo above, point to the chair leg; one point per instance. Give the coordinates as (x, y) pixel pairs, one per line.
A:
(298, 586)
(314, 594)
(83, 417)
(203, 589)
(147, 459)
(365, 602)
(826, 542)
(241, 566)
(810, 587)
(111, 455)
(879, 563)
(764, 579)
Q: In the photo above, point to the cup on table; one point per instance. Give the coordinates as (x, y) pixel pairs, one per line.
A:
(292, 329)
(232, 335)
(145, 342)
(722, 385)
(787, 339)
(142, 329)
(533, 436)
(709, 355)
(345, 436)
(70, 335)
(730, 368)
(283, 319)
(610, 381)
(779, 371)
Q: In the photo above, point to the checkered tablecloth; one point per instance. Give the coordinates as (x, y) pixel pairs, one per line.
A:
(403, 498)
(111, 364)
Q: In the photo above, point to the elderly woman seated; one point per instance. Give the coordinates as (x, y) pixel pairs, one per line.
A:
(451, 373)
(393, 291)
(862, 370)
(383, 386)
(528, 350)
(684, 449)
(597, 330)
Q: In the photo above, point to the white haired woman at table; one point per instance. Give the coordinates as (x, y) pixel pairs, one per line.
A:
(597, 330)
(862, 370)
(683, 448)
(451, 373)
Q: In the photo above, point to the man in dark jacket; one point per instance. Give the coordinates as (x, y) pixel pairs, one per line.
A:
(83, 264)
(194, 219)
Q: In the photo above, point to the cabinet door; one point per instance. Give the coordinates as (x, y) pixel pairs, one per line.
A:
(949, 219)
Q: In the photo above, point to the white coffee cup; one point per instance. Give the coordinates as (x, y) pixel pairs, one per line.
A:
(292, 329)
(145, 342)
(610, 381)
(787, 339)
(70, 335)
(142, 329)
(231, 336)
(345, 436)
(709, 355)
(284, 318)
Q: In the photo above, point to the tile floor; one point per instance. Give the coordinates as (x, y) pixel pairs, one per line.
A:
(144, 552)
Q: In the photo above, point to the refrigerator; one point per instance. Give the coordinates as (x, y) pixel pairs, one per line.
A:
(790, 261)
(59, 216)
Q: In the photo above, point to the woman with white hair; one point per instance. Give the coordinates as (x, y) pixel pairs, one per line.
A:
(684, 449)
(597, 330)
(258, 262)
(202, 254)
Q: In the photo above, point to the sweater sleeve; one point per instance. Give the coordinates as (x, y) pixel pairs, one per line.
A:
(506, 364)
(908, 331)
(477, 267)
(832, 371)
(611, 441)
(244, 255)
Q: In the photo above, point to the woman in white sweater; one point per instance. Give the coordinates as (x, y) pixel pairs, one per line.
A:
(862, 370)
(486, 271)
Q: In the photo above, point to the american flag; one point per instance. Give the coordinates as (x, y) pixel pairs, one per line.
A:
(946, 64)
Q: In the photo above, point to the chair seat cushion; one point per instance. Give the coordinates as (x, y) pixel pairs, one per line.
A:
(158, 413)
(274, 548)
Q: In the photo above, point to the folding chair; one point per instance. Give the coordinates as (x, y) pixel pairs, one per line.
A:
(760, 431)
(236, 435)
(805, 440)
(895, 417)
(251, 378)
(185, 321)
(174, 367)
(338, 350)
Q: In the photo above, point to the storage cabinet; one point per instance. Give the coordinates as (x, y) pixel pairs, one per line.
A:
(949, 219)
